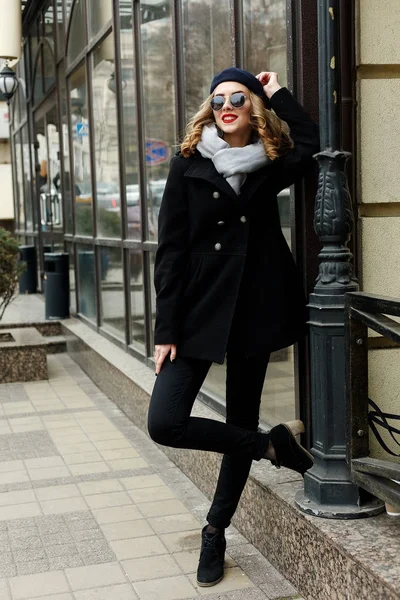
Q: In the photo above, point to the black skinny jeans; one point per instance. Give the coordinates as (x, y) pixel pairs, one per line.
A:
(170, 423)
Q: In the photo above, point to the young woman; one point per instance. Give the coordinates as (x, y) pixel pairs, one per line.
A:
(227, 284)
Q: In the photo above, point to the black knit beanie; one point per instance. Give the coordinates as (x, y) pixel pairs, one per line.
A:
(244, 77)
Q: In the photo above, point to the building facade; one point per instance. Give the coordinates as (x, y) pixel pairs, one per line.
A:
(106, 87)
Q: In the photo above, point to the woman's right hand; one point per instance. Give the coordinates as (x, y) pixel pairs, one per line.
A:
(160, 352)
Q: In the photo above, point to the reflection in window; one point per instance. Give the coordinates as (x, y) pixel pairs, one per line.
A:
(59, 22)
(49, 68)
(152, 299)
(20, 182)
(27, 176)
(130, 125)
(265, 37)
(38, 76)
(67, 199)
(81, 153)
(42, 177)
(77, 34)
(137, 298)
(106, 141)
(159, 97)
(53, 194)
(72, 284)
(86, 282)
(112, 291)
(207, 47)
(99, 14)
(68, 5)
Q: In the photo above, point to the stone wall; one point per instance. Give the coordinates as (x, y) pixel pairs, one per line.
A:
(378, 95)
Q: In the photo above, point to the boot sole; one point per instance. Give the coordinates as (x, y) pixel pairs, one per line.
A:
(211, 583)
(299, 427)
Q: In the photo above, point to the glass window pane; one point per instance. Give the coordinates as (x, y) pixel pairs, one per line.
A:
(72, 283)
(54, 197)
(82, 192)
(26, 158)
(112, 291)
(207, 47)
(77, 33)
(137, 299)
(20, 182)
(38, 75)
(159, 110)
(129, 123)
(68, 6)
(49, 68)
(67, 199)
(152, 300)
(99, 14)
(265, 37)
(86, 282)
(106, 141)
(42, 173)
(59, 22)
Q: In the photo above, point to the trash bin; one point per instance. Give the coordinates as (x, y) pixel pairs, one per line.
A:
(28, 279)
(45, 250)
(56, 274)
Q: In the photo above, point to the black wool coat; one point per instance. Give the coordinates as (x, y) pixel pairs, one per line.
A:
(222, 258)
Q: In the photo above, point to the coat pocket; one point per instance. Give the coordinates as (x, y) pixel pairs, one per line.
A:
(193, 274)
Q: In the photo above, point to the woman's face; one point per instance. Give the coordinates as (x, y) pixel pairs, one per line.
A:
(233, 121)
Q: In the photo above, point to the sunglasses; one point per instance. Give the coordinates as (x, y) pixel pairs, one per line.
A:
(237, 100)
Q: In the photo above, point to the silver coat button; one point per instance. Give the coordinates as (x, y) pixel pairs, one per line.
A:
(218, 246)
(221, 223)
(243, 219)
(216, 195)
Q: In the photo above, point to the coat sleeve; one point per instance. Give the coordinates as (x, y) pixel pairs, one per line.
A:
(171, 255)
(304, 133)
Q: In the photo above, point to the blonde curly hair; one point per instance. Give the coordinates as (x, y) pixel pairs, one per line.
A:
(270, 129)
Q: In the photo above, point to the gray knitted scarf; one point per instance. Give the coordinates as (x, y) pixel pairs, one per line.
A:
(231, 163)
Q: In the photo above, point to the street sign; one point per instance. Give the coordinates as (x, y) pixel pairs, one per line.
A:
(157, 152)
(82, 129)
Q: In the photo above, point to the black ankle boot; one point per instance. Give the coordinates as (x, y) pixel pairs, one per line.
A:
(288, 452)
(211, 564)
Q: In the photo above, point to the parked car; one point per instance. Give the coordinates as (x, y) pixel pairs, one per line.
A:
(107, 195)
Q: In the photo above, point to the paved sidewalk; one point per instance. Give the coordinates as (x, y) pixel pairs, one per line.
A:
(91, 509)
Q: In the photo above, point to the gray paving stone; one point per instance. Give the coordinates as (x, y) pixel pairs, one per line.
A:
(61, 550)
(20, 534)
(88, 535)
(8, 570)
(65, 562)
(59, 537)
(6, 558)
(81, 515)
(26, 543)
(33, 566)
(27, 555)
(96, 546)
(279, 589)
(97, 558)
(22, 524)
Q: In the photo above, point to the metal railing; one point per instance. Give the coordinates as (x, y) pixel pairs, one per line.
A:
(363, 312)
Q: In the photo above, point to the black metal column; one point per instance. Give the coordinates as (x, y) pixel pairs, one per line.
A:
(328, 490)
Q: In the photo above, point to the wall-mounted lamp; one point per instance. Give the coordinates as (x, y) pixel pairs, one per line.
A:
(8, 83)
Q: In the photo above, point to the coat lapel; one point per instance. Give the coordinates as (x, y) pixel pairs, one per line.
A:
(203, 168)
(255, 180)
